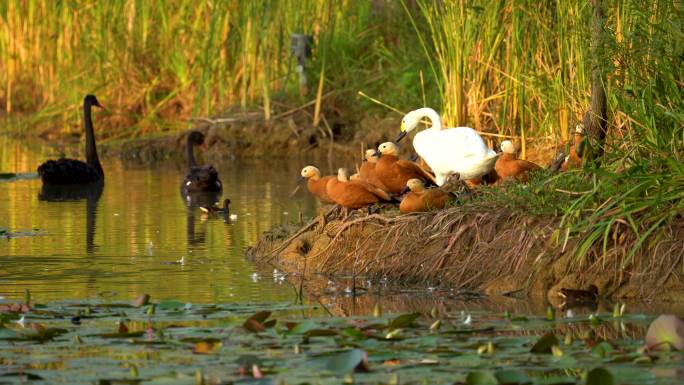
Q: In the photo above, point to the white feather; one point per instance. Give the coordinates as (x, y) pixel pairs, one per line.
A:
(453, 150)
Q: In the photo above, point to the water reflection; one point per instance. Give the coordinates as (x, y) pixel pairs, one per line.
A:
(124, 238)
(91, 192)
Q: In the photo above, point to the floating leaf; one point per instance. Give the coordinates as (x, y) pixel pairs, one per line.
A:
(15, 308)
(481, 378)
(602, 349)
(544, 344)
(207, 347)
(664, 332)
(344, 362)
(600, 376)
(255, 323)
(318, 333)
(403, 321)
(171, 304)
(511, 377)
(141, 300)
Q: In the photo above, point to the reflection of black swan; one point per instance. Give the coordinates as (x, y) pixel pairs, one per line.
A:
(199, 178)
(71, 171)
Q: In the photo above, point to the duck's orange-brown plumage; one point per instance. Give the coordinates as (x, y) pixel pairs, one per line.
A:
(508, 166)
(574, 158)
(419, 199)
(367, 170)
(354, 194)
(393, 172)
(316, 184)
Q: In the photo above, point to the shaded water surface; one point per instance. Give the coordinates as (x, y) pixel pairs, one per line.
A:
(126, 238)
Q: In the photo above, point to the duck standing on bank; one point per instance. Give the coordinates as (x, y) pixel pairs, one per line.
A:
(458, 150)
(421, 199)
(574, 159)
(199, 178)
(354, 194)
(509, 167)
(316, 184)
(393, 172)
(66, 171)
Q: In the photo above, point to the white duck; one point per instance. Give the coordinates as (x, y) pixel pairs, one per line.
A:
(458, 150)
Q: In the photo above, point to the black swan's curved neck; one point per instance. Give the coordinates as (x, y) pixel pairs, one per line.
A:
(191, 155)
(91, 150)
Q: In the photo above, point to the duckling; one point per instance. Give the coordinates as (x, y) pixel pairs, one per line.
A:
(420, 199)
(225, 210)
(508, 166)
(574, 160)
(367, 170)
(459, 150)
(317, 184)
(394, 172)
(354, 194)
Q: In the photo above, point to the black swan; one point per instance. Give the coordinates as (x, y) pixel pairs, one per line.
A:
(199, 178)
(71, 171)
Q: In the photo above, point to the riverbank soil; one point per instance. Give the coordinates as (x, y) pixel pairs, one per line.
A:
(478, 246)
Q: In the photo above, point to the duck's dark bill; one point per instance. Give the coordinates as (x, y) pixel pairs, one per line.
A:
(400, 137)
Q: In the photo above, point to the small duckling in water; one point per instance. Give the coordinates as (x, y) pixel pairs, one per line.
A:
(216, 209)
(508, 166)
(574, 159)
(354, 194)
(421, 199)
(394, 172)
(317, 184)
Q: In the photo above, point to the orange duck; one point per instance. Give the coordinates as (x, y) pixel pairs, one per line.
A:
(367, 170)
(317, 184)
(574, 160)
(393, 172)
(508, 166)
(354, 194)
(420, 199)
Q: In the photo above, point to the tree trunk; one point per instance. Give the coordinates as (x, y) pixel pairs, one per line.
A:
(596, 120)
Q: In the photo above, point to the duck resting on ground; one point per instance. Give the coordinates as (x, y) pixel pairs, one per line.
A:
(394, 172)
(354, 194)
(199, 178)
(71, 171)
(508, 166)
(574, 159)
(367, 169)
(420, 199)
(458, 150)
(317, 184)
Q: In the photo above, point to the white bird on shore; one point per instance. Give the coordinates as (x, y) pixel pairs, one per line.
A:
(458, 150)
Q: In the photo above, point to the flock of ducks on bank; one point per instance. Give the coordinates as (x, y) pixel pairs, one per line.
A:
(452, 152)
(382, 177)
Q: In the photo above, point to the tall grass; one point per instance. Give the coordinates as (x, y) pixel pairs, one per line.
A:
(162, 61)
(523, 68)
(510, 67)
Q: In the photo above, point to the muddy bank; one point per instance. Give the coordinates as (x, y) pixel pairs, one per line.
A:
(481, 247)
(248, 136)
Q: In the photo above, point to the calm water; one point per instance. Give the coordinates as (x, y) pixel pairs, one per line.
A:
(126, 242)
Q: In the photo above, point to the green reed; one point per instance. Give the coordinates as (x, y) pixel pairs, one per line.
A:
(523, 68)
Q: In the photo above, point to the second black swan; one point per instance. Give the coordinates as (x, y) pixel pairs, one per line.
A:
(199, 178)
(65, 171)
